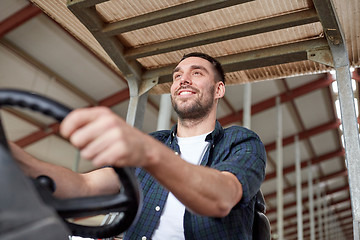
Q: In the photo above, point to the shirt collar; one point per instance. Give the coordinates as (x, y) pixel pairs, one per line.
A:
(213, 137)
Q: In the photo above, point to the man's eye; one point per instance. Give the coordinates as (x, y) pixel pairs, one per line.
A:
(177, 76)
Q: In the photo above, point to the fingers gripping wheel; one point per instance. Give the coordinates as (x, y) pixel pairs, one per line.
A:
(126, 202)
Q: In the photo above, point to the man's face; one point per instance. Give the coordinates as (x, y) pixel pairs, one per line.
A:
(193, 88)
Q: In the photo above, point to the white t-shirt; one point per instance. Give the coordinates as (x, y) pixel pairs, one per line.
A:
(171, 221)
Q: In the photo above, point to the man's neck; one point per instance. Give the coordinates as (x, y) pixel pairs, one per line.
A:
(195, 127)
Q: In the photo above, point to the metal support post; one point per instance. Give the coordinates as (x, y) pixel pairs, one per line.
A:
(139, 90)
(136, 110)
(326, 218)
(279, 172)
(164, 117)
(247, 106)
(336, 40)
(319, 211)
(298, 189)
(351, 141)
(311, 202)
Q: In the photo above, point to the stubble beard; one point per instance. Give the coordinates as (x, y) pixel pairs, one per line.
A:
(196, 111)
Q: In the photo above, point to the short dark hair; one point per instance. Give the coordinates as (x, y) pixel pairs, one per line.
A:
(216, 64)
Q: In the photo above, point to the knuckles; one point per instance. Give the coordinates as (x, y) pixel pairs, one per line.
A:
(123, 146)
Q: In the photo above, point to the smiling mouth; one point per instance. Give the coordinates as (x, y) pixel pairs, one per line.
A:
(186, 93)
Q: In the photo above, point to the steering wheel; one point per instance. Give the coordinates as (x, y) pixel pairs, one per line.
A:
(127, 202)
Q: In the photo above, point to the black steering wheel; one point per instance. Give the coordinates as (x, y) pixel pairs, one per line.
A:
(127, 202)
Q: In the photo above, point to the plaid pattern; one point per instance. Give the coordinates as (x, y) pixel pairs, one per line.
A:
(235, 149)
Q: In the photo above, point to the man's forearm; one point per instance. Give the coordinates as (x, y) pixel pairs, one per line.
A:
(203, 190)
(69, 184)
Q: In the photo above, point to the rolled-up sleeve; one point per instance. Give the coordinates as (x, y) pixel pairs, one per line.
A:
(245, 157)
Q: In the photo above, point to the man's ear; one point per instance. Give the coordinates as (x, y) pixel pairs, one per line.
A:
(220, 90)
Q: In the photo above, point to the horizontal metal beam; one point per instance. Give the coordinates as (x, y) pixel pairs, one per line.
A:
(116, 98)
(53, 129)
(25, 117)
(304, 164)
(44, 69)
(305, 134)
(38, 135)
(168, 14)
(238, 31)
(341, 173)
(346, 210)
(271, 56)
(284, 97)
(306, 199)
(292, 234)
(18, 18)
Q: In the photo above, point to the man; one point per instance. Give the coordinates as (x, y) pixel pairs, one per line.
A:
(212, 174)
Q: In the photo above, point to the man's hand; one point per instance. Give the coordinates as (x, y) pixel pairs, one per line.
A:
(105, 138)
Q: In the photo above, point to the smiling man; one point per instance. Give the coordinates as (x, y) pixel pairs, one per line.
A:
(199, 180)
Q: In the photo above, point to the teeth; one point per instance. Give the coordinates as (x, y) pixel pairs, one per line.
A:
(185, 93)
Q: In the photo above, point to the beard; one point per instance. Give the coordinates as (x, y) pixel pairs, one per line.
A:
(197, 109)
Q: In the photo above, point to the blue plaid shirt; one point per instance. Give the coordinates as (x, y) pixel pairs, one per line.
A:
(236, 150)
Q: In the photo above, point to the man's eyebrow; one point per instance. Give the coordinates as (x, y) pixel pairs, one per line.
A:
(199, 67)
(177, 69)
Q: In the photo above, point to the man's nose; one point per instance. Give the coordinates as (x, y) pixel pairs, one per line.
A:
(185, 79)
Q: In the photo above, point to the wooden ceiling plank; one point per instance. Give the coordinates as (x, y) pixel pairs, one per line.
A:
(238, 31)
(167, 15)
(265, 57)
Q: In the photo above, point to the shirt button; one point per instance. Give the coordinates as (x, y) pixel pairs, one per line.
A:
(176, 153)
(143, 238)
(157, 208)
